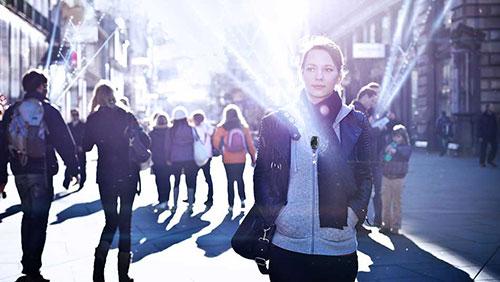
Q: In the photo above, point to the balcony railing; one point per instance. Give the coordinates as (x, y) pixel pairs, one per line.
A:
(26, 11)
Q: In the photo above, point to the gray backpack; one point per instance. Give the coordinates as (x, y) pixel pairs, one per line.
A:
(27, 131)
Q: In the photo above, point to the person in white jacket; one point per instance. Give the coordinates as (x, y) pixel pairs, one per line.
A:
(205, 131)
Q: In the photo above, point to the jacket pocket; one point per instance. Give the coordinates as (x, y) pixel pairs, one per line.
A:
(339, 235)
(293, 222)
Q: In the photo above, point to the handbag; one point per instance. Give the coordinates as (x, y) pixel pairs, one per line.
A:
(252, 239)
(201, 156)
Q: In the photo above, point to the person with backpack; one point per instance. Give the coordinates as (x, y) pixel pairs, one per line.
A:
(160, 168)
(205, 131)
(30, 133)
(180, 154)
(114, 131)
(77, 128)
(395, 167)
(233, 136)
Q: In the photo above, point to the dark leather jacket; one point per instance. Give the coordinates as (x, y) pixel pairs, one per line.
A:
(272, 170)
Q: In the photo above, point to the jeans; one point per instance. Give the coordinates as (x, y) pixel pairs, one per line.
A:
(162, 178)
(290, 266)
(234, 172)
(36, 193)
(493, 151)
(117, 219)
(208, 179)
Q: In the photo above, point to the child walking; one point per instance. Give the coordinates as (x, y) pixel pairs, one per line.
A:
(395, 167)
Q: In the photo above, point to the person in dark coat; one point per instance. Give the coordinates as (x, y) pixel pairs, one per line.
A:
(34, 176)
(180, 154)
(312, 178)
(444, 132)
(488, 131)
(117, 176)
(365, 102)
(77, 128)
(161, 169)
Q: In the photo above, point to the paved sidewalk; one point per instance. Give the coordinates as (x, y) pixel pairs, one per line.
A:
(451, 209)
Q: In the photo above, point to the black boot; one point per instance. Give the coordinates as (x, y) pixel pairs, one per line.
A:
(123, 266)
(101, 252)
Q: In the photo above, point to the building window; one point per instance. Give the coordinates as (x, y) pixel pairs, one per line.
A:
(373, 33)
(386, 29)
(4, 58)
(15, 67)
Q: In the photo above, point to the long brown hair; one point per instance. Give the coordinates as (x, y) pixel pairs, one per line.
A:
(232, 117)
(104, 95)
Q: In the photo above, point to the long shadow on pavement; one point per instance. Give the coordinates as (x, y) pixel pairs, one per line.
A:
(12, 210)
(78, 210)
(149, 237)
(219, 239)
(407, 262)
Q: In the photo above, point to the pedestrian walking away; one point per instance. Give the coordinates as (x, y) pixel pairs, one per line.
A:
(320, 143)
(180, 154)
(444, 132)
(160, 168)
(30, 133)
(233, 136)
(110, 127)
(488, 131)
(366, 102)
(77, 128)
(205, 131)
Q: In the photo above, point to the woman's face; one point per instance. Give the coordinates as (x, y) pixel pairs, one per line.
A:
(319, 73)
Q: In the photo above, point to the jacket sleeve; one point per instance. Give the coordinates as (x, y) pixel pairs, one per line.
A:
(362, 170)
(403, 153)
(217, 137)
(4, 151)
(88, 136)
(62, 140)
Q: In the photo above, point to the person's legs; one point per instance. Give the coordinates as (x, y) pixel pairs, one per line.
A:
(230, 184)
(493, 151)
(386, 203)
(36, 193)
(342, 268)
(191, 171)
(208, 179)
(109, 201)
(127, 195)
(83, 168)
(239, 168)
(162, 183)
(286, 266)
(482, 152)
(176, 171)
(396, 214)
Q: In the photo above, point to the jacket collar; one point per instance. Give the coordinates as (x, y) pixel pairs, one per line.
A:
(36, 95)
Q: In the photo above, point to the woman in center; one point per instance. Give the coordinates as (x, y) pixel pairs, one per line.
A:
(312, 177)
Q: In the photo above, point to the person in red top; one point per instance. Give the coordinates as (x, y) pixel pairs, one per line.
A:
(233, 135)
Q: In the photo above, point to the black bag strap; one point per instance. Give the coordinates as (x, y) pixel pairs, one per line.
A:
(263, 247)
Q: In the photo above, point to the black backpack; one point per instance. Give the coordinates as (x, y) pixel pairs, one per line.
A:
(139, 153)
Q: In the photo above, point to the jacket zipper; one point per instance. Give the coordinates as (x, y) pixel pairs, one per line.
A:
(314, 176)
